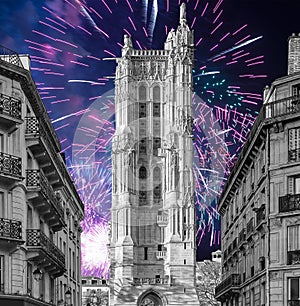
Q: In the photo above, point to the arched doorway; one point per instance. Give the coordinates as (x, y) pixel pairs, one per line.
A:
(151, 299)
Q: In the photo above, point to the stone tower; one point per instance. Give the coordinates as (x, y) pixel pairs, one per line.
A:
(152, 245)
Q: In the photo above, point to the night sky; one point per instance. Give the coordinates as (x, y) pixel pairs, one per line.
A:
(240, 46)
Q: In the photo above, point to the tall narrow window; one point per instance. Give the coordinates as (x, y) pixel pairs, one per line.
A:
(145, 253)
(73, 264)
(142, 185)
(2, 273)
(143, 173)
(29, 278)
(156, 145)
(2, 143)
(294, 292)
(156, 109)
(156, 185)
(296, 90)
(127, 220)
(142, 93)
(42, 228)
(294, 185)
(142, 110)
(142, 146)
(156, 93)
(294, 144)
(52, 290)
(70, 262)
(263, 294)
(293, 243)
(2, 204)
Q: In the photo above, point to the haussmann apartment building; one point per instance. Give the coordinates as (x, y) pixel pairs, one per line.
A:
(260, 205)
(40, 209)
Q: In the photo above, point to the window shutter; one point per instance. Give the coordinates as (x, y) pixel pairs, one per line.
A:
(293, 237)
(290, 185)
(294, 139)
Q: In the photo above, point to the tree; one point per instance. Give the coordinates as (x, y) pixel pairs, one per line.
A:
(208, 276)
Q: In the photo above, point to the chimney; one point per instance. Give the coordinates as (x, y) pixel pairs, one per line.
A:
(294, 54)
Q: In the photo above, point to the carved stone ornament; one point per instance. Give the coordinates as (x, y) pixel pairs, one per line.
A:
(275, 223)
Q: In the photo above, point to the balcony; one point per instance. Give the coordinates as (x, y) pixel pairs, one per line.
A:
(45, 148)
(161, 255)
(228, 287)
(289, 202)
(43, 197)
(45, 253)
(10, 56)
(10, 233)
(10, 111)
(10, 168)
(151, 281)
(294, 155)
(162, 220)
(293, 257)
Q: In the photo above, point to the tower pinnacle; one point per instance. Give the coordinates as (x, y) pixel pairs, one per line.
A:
(182, 13)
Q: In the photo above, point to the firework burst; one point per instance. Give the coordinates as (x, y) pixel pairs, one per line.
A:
(67, 51)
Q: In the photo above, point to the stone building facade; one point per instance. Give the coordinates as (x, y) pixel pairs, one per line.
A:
(40, 209)
(152, 246)
(260, 203)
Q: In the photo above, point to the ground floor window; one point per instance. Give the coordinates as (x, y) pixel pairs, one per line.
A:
(293, 297)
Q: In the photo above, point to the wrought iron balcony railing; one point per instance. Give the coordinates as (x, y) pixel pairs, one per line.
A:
(10, 56)
(232, 281)
(10, 165)
(36, 179)
(10, 107)
(293, 257)
(10, 229)
(36, 238)
(289, 202)
(282, 107)
(151, 281)
(294, 155)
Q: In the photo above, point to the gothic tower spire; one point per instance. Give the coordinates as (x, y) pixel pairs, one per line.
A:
(152, 246)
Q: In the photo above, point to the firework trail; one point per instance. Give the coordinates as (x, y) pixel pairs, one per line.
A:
(67, 51)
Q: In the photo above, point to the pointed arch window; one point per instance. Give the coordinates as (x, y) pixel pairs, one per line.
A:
(156, 93)
(143, 146)
(156, 185)
(142, 110)
(142, 173)
(156, 145)
(142, 93)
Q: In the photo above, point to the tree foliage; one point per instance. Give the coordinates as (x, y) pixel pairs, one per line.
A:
(208, 277)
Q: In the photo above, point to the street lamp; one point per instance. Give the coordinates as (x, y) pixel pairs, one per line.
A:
(37, 274)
